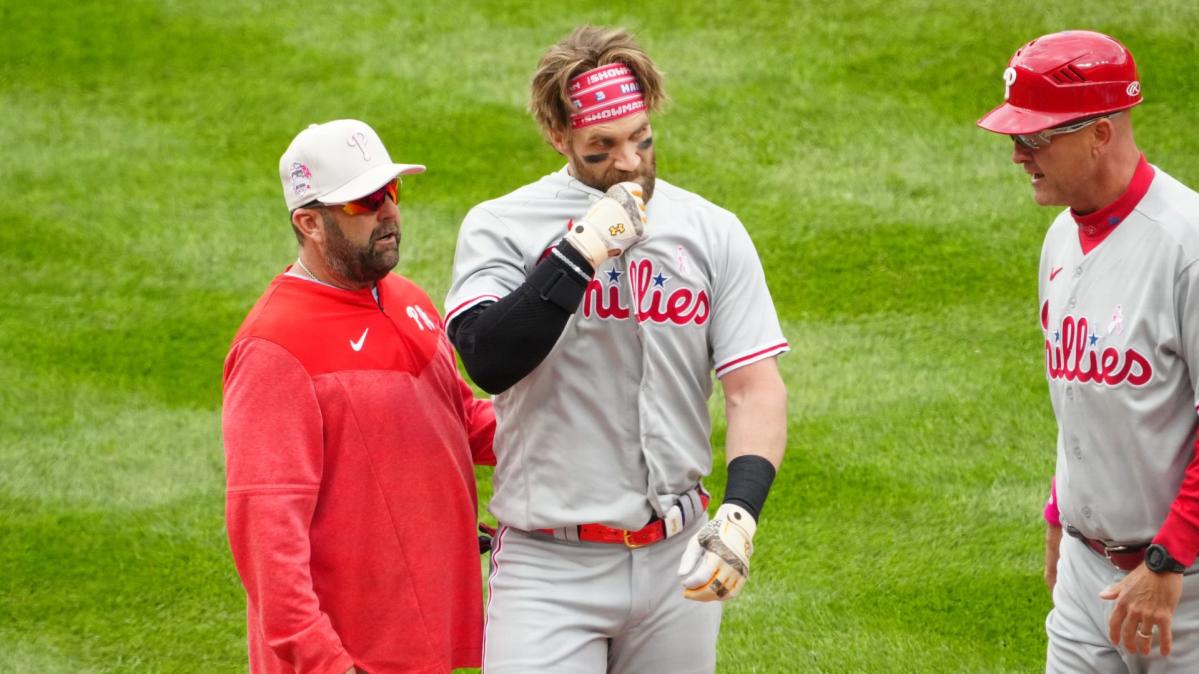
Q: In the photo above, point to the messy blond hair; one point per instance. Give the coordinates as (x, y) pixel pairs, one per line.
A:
(588, 47)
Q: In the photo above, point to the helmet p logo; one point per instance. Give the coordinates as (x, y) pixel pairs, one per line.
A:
(1009, 78)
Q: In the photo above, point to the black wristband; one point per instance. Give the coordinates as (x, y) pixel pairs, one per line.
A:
(750, 477)
(560, 280)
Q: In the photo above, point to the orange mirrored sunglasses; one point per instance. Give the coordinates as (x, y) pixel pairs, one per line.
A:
(371, 202)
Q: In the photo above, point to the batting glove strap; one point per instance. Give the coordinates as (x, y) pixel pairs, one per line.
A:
(585, 238)
(715, 565)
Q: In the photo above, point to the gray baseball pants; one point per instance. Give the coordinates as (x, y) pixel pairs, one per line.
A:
(1077, 625)
(588, 608)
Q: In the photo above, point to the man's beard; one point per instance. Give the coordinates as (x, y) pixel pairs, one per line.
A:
(360, 265)
(645, 175)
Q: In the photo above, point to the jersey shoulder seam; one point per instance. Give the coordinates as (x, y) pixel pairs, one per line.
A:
(503, 222)
(267, 340)
(1190, 256)
(694, 200)
(511, 200)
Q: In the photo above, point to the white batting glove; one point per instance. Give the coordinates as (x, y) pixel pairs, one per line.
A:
(612, 225)
(715, 565)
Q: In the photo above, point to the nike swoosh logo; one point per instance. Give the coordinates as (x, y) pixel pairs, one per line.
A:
(357, 344)
(1053, 274)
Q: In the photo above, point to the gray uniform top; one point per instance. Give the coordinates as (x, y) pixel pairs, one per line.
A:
(614, 423)
(1121, 326)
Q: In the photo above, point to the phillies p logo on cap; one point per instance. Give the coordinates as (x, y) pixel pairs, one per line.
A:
(337, 162)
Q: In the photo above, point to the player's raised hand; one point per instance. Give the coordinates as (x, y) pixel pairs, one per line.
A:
(715, 564)
(614, 223)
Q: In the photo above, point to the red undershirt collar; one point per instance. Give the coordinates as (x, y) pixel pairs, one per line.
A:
(1094, 227)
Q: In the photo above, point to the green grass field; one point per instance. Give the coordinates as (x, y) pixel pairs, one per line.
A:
(142, 218)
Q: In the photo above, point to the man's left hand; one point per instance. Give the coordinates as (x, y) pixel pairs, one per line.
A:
(715, 564)
(1144, 600)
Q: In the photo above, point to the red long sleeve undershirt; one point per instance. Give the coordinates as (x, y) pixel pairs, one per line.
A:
(1179, 534)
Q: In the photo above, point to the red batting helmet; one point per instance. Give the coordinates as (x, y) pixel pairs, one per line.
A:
(1064, 77)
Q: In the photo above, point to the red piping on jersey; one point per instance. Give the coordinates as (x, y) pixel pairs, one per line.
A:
(1094, 227)
(497, 542)
(453, 313)
(721, 369)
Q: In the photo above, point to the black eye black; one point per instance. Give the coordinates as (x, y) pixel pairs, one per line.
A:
(595, 158)
(645, 144)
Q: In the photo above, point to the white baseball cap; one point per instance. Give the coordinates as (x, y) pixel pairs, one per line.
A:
(337, 162)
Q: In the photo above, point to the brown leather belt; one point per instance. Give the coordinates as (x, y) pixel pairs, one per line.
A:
(1124, 557)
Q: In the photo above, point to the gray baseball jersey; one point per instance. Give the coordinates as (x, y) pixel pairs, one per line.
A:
(1121, 328)
(613, 425)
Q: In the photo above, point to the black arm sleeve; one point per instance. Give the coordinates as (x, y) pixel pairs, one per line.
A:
(501, 342)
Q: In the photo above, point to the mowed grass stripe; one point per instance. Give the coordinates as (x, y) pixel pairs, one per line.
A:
(149, 590)
(97, 450)
(24, 655)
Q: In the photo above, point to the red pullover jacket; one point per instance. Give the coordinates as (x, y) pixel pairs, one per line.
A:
(350, 504)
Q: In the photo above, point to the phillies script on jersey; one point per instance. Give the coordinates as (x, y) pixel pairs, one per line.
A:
(1072, 352)
(651, 299)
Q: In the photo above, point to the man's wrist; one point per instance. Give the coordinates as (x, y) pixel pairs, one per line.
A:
(1158, 560)
(1180, 535)
(576, 260)
(750, 477)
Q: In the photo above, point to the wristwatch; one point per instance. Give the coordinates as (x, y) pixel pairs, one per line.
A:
(1158, 560)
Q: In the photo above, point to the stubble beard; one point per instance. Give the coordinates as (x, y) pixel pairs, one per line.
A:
(645, 175)
(360, 265)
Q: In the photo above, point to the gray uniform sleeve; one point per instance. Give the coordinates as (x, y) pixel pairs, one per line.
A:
(745, 326)
(488, 263)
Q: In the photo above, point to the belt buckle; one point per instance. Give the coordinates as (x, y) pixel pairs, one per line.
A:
(630, 543)
(1109, 550)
